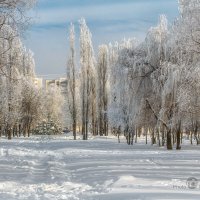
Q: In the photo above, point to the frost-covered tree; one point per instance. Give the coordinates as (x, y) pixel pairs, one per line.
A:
(71, 82)
(53, 105)
(87, 62)
(102, 89)
(148, 88)
(20, 99)
(32, 107)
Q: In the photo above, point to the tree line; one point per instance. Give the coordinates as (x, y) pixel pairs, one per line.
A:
(22, 105)
(133, 88)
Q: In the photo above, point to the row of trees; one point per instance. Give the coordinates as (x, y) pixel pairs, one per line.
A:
(149, 88)
(87, 90)
(22, 104)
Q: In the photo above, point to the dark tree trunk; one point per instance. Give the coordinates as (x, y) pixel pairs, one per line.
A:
(178, 144)
(146, 135)
(119, 133)
(178, 137)
(74, 129)
(163, 136)
(169, 140)
(9, 133)
(19, 130)
(132, 135)
(158, 137)
(191, 137)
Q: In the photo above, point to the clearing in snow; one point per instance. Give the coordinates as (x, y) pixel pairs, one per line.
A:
(100, 168)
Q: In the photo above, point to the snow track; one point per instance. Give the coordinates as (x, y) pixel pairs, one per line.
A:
(57, 168)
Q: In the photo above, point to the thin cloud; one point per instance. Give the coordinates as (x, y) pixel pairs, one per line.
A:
(109, 20)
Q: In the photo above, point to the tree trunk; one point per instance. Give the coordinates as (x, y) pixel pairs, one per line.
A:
(178, 143)
(169, 140)
(119, 133)
(196, 133)
(158, 137)
(9, 133)
(146, 135)
(74, 129)
(153, 140)
(132, 135)
(163, 136)
(181, 137)
(191, 137)
(136, 134)
(19, 130)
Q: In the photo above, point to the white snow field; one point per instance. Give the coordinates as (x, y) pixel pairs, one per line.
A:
(56, 168)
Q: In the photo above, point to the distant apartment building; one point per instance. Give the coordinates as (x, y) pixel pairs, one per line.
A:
(61, 83)
(48, 84)
(38, 83)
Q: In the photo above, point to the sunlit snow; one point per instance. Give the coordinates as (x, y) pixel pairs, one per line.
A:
(60, 168)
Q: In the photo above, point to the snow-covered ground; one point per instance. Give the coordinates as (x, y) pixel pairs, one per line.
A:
(99, 169)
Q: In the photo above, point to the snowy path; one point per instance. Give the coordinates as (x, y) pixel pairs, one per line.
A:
(95, 170)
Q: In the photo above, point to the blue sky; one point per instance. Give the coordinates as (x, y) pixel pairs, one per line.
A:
(109, 20)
